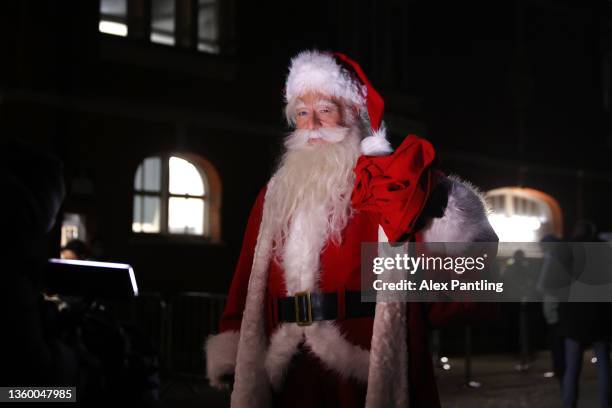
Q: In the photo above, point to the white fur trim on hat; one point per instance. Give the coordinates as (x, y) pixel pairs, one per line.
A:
(376, 144)
(315, 71)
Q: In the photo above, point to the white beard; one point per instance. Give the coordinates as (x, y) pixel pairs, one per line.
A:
(308, 200)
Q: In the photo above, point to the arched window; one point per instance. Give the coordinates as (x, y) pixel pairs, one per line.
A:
(523, 214)
(176, 195)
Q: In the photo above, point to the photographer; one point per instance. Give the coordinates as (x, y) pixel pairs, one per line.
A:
(32, 183)
(79, 344)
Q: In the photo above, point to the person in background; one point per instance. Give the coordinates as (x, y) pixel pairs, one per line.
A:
(75, 249)
(520, 283)
(550, 310)
(583, 324)
(31, 353)
(42, 345)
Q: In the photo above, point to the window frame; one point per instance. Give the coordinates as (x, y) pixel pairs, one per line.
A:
(164, 196)
(186, 33)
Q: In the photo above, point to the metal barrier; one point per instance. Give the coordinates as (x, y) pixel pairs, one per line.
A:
(190, 317)
(176, 326)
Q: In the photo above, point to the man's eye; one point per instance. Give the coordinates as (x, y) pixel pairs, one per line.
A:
(325, 110)
(302, 113)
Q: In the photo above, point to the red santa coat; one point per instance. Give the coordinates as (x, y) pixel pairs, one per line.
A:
(342, 347)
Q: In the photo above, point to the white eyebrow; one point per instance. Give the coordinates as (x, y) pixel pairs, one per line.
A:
(327, 103)
(300, 105)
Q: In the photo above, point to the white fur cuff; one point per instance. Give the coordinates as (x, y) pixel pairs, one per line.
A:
(465, 218)
(221, 350)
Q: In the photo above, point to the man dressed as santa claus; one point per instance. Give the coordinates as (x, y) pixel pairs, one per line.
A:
(294, 331)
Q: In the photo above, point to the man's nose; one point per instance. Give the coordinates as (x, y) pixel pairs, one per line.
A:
(315, 121)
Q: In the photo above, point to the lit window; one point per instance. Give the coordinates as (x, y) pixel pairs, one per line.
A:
(186, 207)
(172, 196)
(162, 22)
(523, 214)
(73, 227)
(147, 197)
(208, 28)
(113, 17)
(197, 20)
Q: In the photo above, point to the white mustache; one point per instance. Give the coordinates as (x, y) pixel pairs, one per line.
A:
(299, 137)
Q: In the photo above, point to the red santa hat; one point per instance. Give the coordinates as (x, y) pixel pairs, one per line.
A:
(339, 76)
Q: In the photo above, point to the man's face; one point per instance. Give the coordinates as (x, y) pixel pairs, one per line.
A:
(68, 254)
(314, 111)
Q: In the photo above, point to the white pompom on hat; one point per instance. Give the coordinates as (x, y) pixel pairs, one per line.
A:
(337, 75)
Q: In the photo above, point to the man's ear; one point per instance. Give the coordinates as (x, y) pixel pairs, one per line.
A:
(350, 109)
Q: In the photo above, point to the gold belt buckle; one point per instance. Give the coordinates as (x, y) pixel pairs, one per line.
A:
(298, 296)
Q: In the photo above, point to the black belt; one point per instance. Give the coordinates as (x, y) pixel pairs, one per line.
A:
(305, 307)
